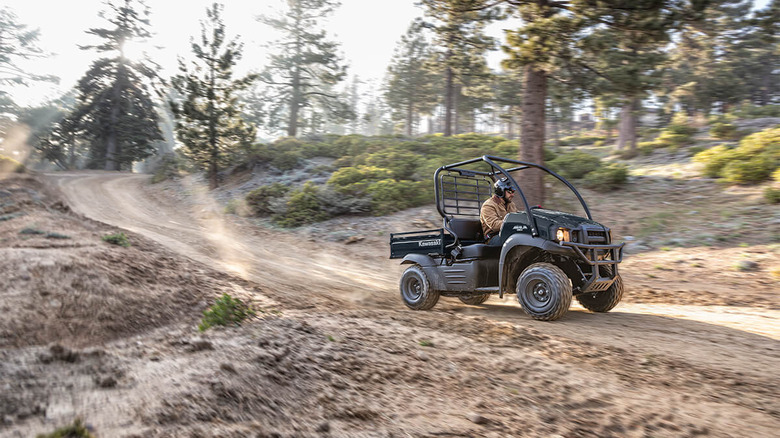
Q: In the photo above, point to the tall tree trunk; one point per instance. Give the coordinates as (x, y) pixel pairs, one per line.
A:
(532, 135)
(213, 145)
(627, 132)
(111, 141)
(409, 116)
(295, 103)
(510, 124)
(448, 101)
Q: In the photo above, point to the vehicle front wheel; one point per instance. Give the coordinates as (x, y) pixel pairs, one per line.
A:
(603, 301)
(416, 290)
(544, 291)
(475, 300)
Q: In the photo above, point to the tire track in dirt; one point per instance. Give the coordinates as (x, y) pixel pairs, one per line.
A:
(722, 356)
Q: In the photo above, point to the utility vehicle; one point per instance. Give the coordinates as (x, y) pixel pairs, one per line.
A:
(546, 257)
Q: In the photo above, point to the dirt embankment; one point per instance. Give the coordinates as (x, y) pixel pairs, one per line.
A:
(107, 333)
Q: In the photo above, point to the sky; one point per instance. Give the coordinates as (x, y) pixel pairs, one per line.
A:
(367, 29)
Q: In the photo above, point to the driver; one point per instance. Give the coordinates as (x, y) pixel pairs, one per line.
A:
(495, 209)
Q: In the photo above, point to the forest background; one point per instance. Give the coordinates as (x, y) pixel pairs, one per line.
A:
(630, 76)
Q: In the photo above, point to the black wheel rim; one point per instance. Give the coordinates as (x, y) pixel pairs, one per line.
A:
(413, 288)
(537, 296)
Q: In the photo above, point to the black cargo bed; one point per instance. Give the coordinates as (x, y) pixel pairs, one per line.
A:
(429, 242)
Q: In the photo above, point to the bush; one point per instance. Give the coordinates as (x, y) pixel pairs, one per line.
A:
(776, 175)
(754, 160)
(647, 147)
(283, 154)
(355, 180)
(117, 239)
(402, 165)
(772, 195)
(714, 159)
(575, 164)
(8, 165)
(749, 111)
(168, 167)
(754, 170)
(259, 199)
(724, 131)
(225, 311)
(75, 430)
(303, 207)
(388, 195)
(607, 177)
(581, 140)
(678, 133)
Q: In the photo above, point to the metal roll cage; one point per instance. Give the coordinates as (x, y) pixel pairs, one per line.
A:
(498, 170)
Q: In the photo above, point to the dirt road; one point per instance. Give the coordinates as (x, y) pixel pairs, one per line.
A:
(343, 356)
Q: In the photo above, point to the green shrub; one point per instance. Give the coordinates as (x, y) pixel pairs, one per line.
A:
(75, 430)
(225, 311)
(693, 150)
(259, 199)
(678, 133)
(575, 164)
(607, 177)
(303, 207)
(117, 239)
(53, 235)
(8, 165)
(754, 160)
(776, 174)
(355, 180)
(723, 131)
(402, 165)
(389, 195)
(754, 170)
(749, 111)
(647, 147)
(581, 140)
(168, 167)
(714, 159)
(283, 154)
(772, 195)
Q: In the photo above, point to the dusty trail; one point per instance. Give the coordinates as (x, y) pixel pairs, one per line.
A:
(706, 362)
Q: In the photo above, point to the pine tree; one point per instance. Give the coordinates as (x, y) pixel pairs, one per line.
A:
(539, 50)
(209, 122)
(760, 51)
(17, 42)
(460, 36)
(707, 69)
(625, 57)
(305, 68)
(411, 86)
(509, 101)
(115, 113)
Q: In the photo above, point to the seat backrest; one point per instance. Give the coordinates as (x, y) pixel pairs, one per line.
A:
(466, 229)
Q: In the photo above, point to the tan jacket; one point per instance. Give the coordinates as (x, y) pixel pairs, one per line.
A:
(492, 213)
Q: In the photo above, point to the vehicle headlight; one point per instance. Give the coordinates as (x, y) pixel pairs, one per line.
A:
(563, 235)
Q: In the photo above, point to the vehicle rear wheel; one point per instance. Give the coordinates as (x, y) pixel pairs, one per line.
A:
(416, 290)
(544, 291)
(603, 301)
(474, 300)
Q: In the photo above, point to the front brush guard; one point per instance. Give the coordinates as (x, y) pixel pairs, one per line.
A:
(595, 256)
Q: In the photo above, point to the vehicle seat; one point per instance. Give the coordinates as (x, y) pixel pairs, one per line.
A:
(467, 230)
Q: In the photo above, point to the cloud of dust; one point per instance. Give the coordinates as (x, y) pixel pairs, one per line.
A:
(227, 245)
(14, 144)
